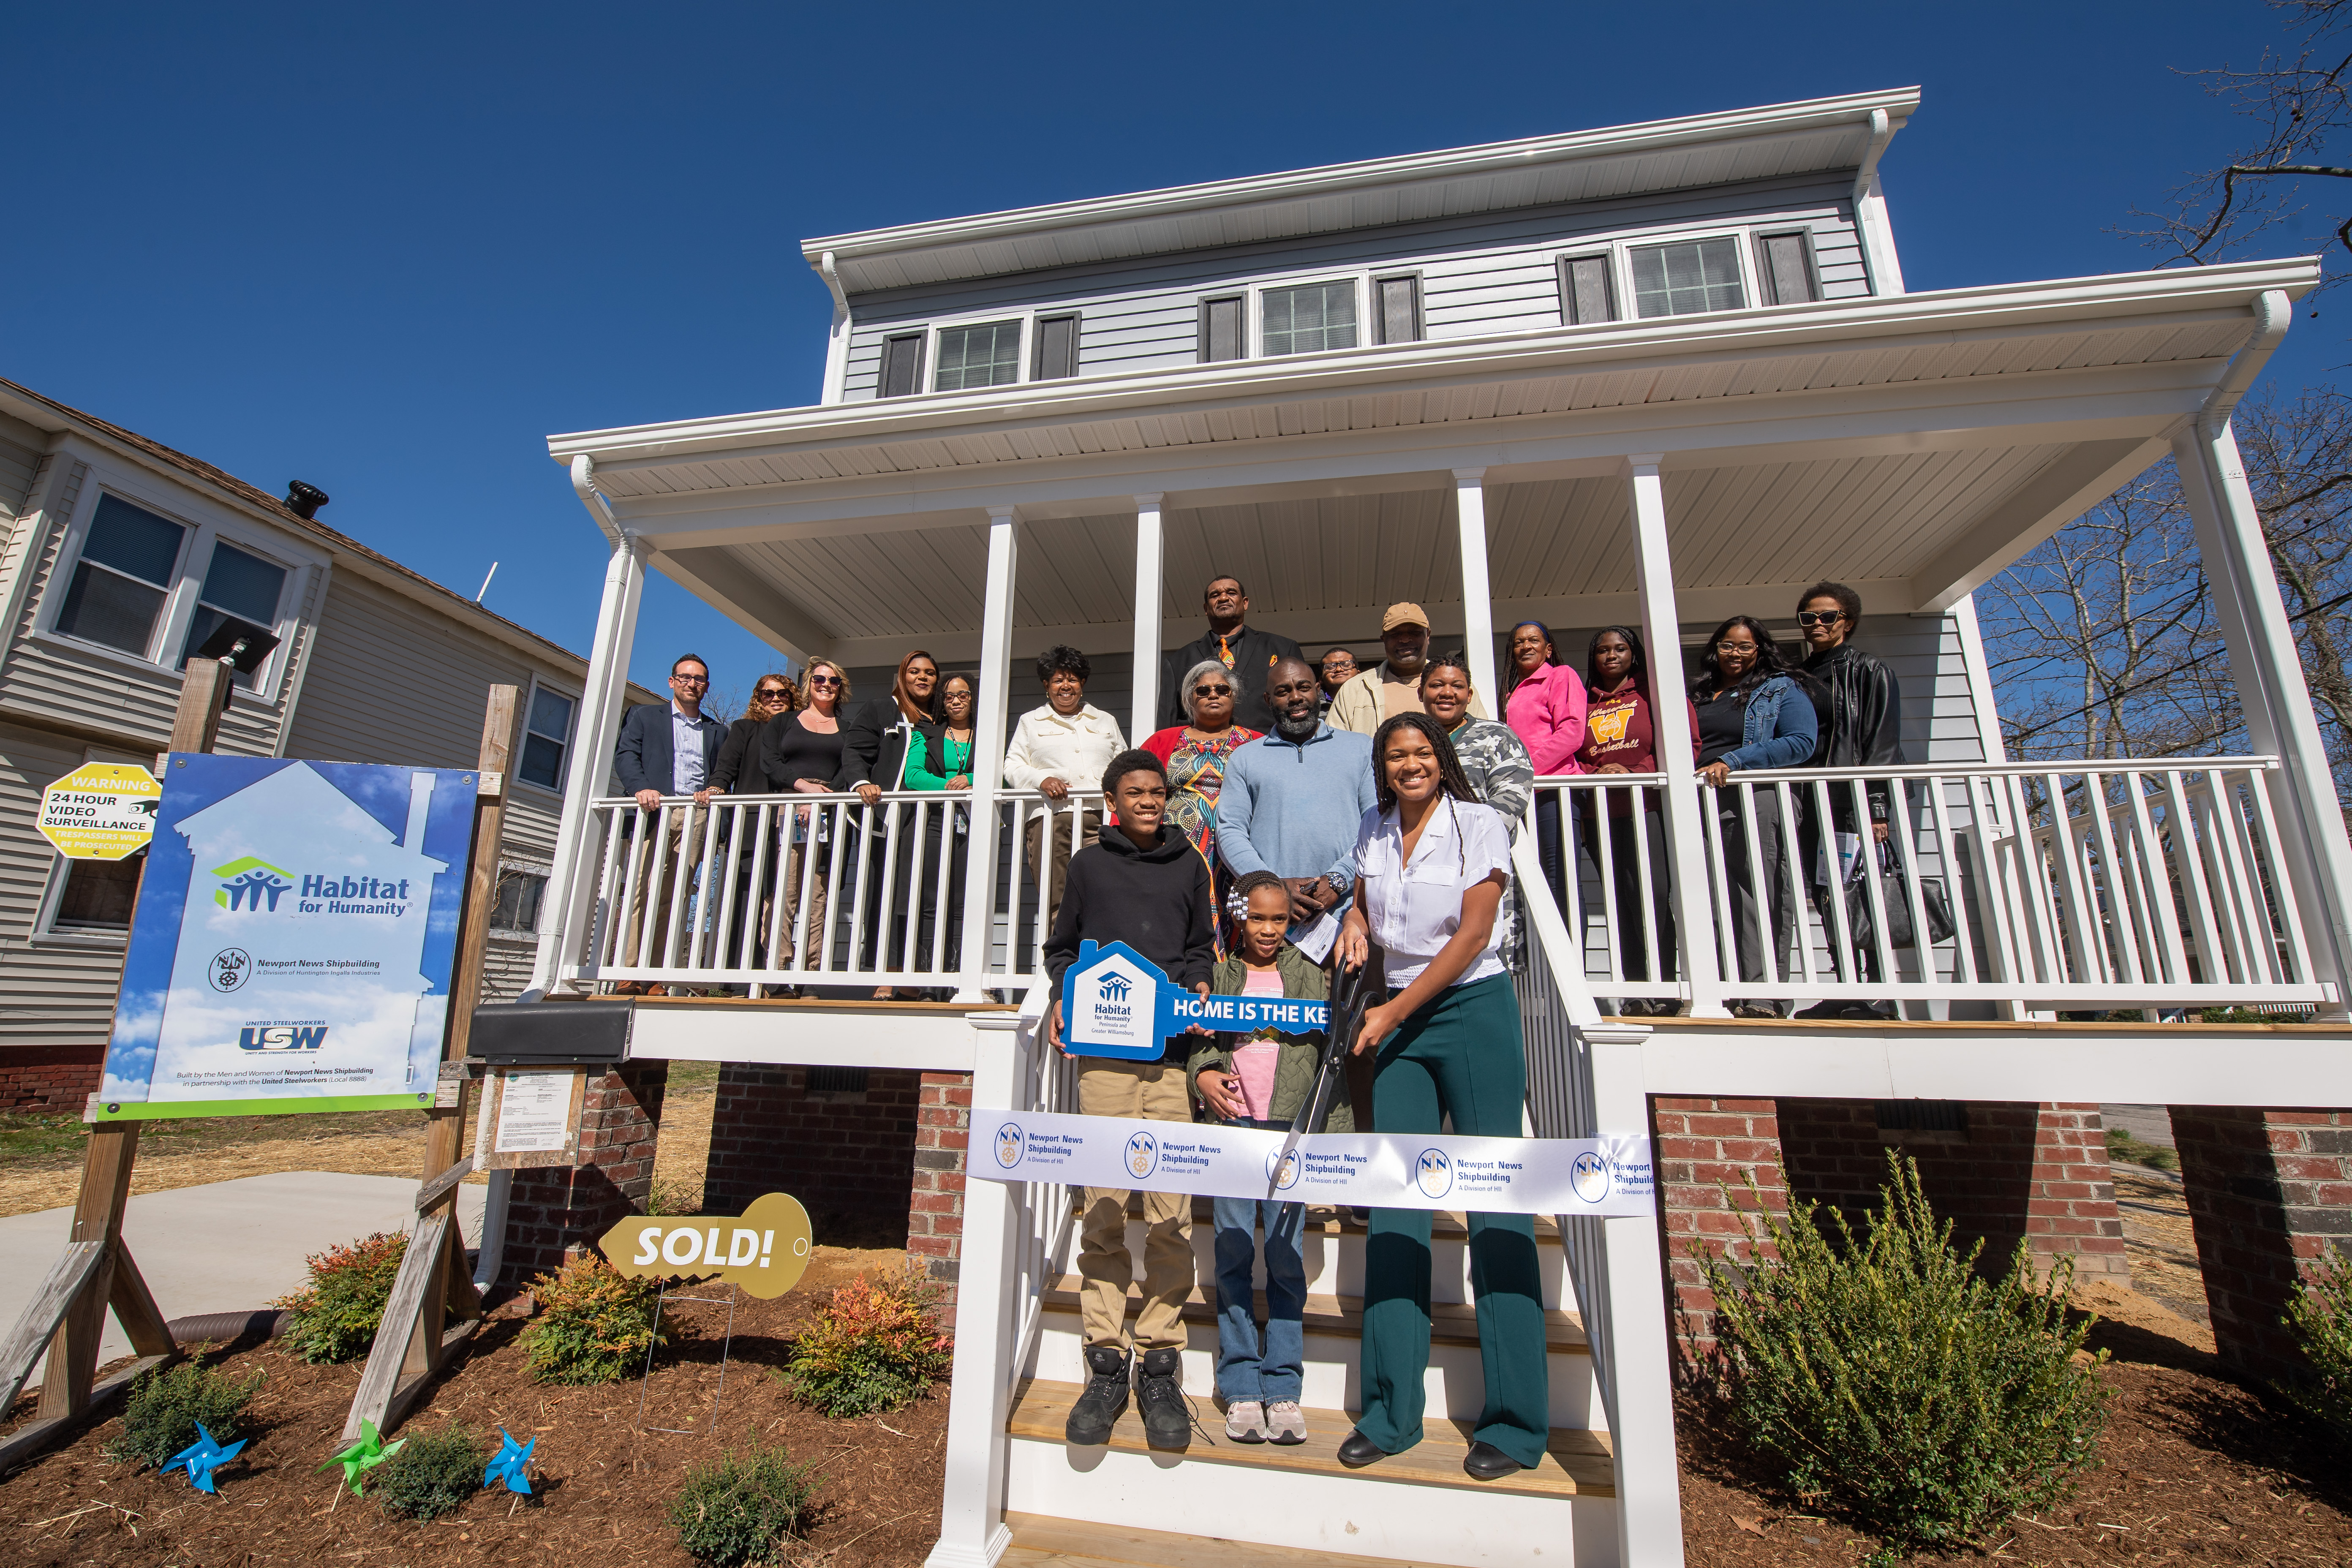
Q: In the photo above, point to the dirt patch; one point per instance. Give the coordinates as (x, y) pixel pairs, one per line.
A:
(2194, 1467)
(603, 1483)
(2160, 1240)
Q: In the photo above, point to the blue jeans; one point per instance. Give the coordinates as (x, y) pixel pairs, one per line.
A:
(1249, 1367)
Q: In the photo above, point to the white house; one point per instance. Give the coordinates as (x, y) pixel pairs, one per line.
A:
(1655, 374)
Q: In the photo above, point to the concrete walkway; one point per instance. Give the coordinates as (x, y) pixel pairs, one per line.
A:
(230, 1247)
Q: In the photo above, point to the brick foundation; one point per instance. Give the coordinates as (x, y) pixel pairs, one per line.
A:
(50, 1078)
(2269, 1192)
(558, 1213)
(847, 1155)
(935, 1212)
(1699, 1144)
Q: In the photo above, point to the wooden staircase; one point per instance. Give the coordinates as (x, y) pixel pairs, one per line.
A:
(1123, 1502)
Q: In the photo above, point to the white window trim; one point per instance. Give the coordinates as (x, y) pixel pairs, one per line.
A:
(515, 769)
(1620, 248)
(539, 869)
(1360, 280)
(204, 530)
(934, 331)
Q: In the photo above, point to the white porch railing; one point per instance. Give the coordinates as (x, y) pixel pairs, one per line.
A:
(822, 889)
(2144, 885)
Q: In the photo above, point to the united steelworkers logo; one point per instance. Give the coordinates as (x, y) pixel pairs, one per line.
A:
(1587, 1178)
(1142, 1155)
(281, 1037)
(1433, 1172)
(1009, 1145)
(1114, 987)
(1289, 1169)
(252, 884)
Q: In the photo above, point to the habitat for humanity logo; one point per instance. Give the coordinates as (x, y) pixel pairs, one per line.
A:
(281, 1037)
(1142, 1155)
(1587, 1178)
(1433, 1172)
(248, 883)
(1009, 1143)
(1114, 987)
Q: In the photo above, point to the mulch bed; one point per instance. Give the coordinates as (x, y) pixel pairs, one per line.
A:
(2196, 1469)
(602, 1486)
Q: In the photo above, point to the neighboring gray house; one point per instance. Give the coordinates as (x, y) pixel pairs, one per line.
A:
(117, 556)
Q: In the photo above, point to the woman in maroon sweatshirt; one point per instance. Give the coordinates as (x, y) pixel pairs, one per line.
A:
(1620, 738)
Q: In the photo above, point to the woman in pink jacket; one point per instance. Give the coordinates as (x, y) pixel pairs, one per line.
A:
(1544, 706)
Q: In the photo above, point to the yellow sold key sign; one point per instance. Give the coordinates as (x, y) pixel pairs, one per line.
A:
(766, 1251)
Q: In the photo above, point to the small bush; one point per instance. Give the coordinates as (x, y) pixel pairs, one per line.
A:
(592, 1325)
(2321, 1317)
(334, 1317)
(742, 1508)
(1894, 1384)
(433, 1474)
(165, 1405)
(875, 1348)
(2122, 1145)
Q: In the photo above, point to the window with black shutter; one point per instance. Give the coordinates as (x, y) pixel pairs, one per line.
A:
(1057, 348)
(1786, 261)
(902, 366)
(1586, 293)
(1396, 309)
(1220, 330)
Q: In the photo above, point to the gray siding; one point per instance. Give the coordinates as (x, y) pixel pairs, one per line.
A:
(1489, 274)
(20, 460)
(53, 992)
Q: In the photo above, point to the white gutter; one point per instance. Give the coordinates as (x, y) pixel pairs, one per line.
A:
(836, 347)
(583, 483)
(2272, 314)
(1870, 208)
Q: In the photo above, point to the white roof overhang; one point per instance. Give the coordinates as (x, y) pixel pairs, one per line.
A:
(1809, 137)
(1916, 442)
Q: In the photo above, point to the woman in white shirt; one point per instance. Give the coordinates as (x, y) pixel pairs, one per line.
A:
(1431, 864)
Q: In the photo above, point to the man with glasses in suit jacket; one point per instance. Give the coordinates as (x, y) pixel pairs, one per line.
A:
(665, 751)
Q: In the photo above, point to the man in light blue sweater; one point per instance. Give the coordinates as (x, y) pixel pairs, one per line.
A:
(1292, 801)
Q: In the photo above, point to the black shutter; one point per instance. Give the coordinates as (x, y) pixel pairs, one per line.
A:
(1057, 348)
(1396, 309)
(902, 366)
(1220, 330)
(1786, 260)
(1587, 294)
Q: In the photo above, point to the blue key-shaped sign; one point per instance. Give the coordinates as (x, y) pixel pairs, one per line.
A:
(1116, 1002)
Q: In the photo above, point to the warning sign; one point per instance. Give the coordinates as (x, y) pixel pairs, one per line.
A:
(100, 811)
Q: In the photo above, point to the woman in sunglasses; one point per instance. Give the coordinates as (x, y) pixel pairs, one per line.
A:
(1752, 713)
(799, 753)
(1194, 756)
(736, 766)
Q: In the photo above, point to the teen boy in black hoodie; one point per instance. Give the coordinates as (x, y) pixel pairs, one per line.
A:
(1144, 887)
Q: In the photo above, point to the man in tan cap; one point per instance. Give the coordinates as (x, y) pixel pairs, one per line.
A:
(1392, 686)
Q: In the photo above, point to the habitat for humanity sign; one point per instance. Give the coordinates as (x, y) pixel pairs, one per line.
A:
(293, 940)
(1118, 1002)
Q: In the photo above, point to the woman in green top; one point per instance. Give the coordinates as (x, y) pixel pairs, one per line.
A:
(941, 759)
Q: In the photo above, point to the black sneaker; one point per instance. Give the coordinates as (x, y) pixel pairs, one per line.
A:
(1160, 1394)
(1105, 1399)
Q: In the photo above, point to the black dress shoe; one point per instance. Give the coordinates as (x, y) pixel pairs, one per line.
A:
(1358, 1450)
(1484, 1462)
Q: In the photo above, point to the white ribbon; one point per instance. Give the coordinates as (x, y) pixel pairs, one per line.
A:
(1609, 1176)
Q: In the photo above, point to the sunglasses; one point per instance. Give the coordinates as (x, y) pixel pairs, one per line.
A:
(1213, 691)
(1819, 617)
(771, 694)
(825, 680)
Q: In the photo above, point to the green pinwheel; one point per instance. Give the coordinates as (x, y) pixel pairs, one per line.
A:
(363, 1456)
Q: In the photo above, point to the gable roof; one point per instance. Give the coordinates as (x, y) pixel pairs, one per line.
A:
(1807, 137)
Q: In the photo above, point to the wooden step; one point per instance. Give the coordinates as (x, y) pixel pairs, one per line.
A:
(1578, 1463)
(1450, 1323)
(1040, 1541)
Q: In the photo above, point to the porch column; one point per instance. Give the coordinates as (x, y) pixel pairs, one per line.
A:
(991, 734)
(1477, 591)
(572, 876)
(1662, 629)
(1149, 585)
(2267, 670)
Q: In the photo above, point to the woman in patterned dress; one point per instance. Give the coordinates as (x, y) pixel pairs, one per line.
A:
(1194, 756)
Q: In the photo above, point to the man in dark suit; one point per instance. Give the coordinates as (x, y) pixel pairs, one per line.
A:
(1248, 653)
(667, 751)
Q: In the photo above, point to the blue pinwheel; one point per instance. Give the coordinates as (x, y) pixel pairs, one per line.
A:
(201, 1457)
(512, 1459)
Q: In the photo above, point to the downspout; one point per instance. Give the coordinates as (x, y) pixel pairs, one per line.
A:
(2273, 313)
(1870, 209)
(584, 485)
(837, 348)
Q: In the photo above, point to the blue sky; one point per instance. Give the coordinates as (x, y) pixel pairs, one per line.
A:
(390, 253)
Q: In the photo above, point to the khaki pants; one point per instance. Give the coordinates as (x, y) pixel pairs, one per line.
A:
(684, 852)
(805, 936)
(1150, 1091)
(1051, 879)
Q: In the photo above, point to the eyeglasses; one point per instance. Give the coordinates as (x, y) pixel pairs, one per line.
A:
(1735, 648)
(827, 681)
(1213, 691)
(1819, 617)
(689, 680)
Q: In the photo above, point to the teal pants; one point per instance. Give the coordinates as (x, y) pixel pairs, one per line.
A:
(1460, 1056)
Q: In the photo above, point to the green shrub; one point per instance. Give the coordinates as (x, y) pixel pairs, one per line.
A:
(433, 1474)
(2122, 1145)
(1894, 1384)
(334, 1317)
(742, 1508)
(2321, 1316)
(592, 1326)
(875, 1348)
(160, 1417)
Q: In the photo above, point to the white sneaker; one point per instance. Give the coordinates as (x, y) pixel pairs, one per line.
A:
(1284, 1422)
(1245, 1421)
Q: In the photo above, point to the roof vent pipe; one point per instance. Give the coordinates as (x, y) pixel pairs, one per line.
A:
(304, 501)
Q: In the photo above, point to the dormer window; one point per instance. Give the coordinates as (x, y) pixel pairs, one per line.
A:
(988, 354)
(1685, 278)
(1311, 319)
